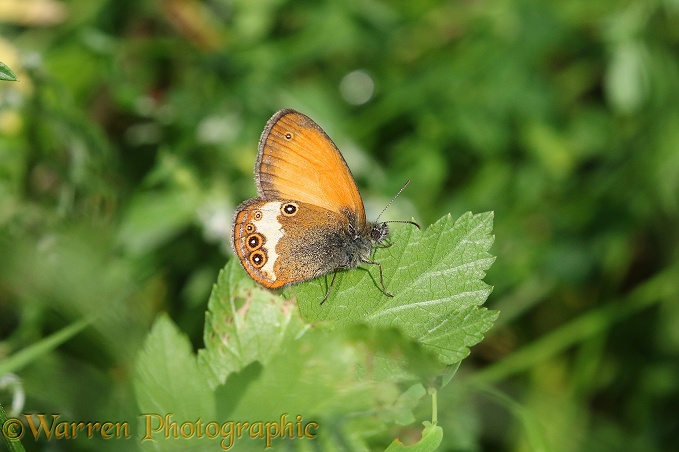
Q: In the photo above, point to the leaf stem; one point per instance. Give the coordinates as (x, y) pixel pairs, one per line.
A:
(434, 406)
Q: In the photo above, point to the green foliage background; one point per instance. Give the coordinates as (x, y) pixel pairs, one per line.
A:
(131, 136)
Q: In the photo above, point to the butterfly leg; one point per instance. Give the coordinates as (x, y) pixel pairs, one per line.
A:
(332, 281)
(384, 289)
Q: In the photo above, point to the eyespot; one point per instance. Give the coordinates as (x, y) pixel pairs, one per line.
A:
(289, 209)
(288, 136)
(258, 259)
(254, 241)
(249, 228)
(258, 215)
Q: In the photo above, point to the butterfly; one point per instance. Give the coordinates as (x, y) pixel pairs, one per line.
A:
(308, 219)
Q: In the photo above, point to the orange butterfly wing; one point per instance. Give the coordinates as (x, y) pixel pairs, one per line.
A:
(298, 161)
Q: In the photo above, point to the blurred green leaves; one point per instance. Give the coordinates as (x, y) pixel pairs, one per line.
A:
(6, 73)
(132, 134)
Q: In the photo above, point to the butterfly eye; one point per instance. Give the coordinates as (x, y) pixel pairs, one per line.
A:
(254, 241)
(258, 259)
(289, 209)
(258, 215)
(288, 136)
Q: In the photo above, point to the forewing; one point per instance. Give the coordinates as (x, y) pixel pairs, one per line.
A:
(297, 160)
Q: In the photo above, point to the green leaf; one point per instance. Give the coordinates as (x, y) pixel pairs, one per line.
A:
(168, 382)
(265, 362)
(436, 278)
(432, 435)
(314, 380)
(6, 73)
(244, 324)
(447, 375)
(408, 400)
(354, 371)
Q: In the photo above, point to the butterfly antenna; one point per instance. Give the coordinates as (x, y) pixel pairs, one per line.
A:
(405, 221)
(393, 199)
(390, 202)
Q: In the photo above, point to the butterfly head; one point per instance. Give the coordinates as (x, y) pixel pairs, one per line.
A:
(379, 232)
